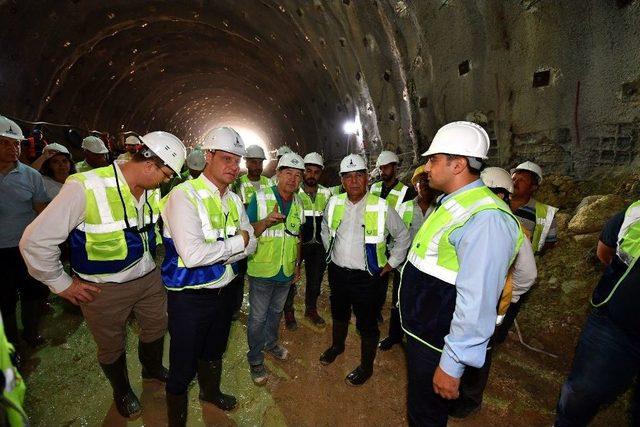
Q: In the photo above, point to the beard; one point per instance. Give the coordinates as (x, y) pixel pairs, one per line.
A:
(310, 182)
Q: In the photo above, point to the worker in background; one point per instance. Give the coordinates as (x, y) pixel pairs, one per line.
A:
(196, 163)
(607, 358)
(32, 146)
(206, 231)
(355, 227)
(12, 386)
(454, 274)
(538, 218)
(521, 277)
(276, 215)
(55, 164)
(110, 215)
(95, 154)
(281, 151)
(413, 213)
(23, 197)
(314, 199)
(132, 144)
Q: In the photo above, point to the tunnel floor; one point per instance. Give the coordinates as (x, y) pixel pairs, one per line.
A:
(67, 388)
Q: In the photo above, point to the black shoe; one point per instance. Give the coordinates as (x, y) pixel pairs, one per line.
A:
(330, 354)
(150, 355)
(464, 410)
(125, 399)
(387, 343)
(290, 320)
(358, 376)
(177, 409)
(34, 340)
(209, 376)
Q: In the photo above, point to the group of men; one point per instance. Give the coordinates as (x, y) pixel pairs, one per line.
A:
(457, 246)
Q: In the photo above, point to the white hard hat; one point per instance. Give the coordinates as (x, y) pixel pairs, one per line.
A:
(195, 160)
(352, 163)
(291, 160)
(255, 152)
(10, 129)
(531, 167)
(313, 159)
(94, 144)
(461, 139)
(225, 139)
(166, 146)
(132, 140)
(58, 148)
(497, 178)
(387, 157)
(283, 150)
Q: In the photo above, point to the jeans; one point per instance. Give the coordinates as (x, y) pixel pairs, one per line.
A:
(606, 362)
(314, 266)
(266, 302)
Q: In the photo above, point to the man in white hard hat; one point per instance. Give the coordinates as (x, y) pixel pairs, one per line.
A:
(538, 218)
(109, 215)
(95, 154)
(355, 228)
(196, 162)
(314, 199)
(132, 144)
(277, 215)
(206, 232)
(23, 196)
(454, 274)
(522, 275)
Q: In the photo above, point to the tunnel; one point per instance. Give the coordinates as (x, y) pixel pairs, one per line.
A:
(557, 82)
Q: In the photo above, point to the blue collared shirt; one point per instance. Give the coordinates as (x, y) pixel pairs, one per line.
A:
(485, 246)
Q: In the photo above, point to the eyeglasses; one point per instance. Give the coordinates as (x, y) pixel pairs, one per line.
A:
(168, 177)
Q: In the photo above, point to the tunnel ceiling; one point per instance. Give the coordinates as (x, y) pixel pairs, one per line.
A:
(555, 80)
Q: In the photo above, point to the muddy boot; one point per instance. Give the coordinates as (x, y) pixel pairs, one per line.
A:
(368, 348)
(315, 317)
(150, 355)
(126, 400)
(209, 375)
(290, 320)
(30, 315)
(339, 336)
(177, 409)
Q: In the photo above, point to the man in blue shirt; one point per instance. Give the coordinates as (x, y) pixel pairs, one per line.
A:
(454, 275)
(23, 196)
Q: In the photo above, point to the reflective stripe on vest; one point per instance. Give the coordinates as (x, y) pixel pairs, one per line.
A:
(406, 213)
(246, 189)
(277, 245)
(14, 386)
(314, 208)
(375, 217)
(544, 218)
(216, 226)
(395, 196)
(103, 244)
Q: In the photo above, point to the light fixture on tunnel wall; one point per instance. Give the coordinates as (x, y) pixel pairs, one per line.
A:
(351, 128)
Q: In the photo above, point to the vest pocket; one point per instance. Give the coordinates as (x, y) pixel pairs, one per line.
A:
(106, 246)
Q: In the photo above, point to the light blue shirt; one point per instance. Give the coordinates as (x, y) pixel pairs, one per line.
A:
(19, 189)
(485, 246)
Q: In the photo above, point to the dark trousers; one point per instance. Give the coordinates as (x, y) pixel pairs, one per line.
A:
(18, 283)
(199, 324)
(236, 287)
(314, 266)
(424, 406)
(395, 329)
(606, 363)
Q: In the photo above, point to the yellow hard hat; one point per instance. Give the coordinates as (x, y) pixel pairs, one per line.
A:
(419, 171)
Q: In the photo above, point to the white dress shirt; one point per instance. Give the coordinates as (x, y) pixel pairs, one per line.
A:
(348, 247)
(524, 271)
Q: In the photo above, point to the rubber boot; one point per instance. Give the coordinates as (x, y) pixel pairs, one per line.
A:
(177, 409)
(339, 332)
(209, 376)
(30, 314)
(150, 356)
(125, 399)
(368, 347)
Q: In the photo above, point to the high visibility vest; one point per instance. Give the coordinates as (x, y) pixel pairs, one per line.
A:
(375, 218)
(83, 166)
(110, 240)
(277, 245)
(313, 211)
(336, 189)
(14, 386)
(544, 218)
(216, 226)
(245, 189)
(406, 212)
(395, 196)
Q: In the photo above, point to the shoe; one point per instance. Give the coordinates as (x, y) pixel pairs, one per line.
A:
(34, 341)
(315, 317)
(387, 343)
(125, 399)
(259, 374)
(463, 410)
(209, 376)
(330, 354)
(279, 352)
(290, 320)
(358, 376)
(177, 409)
(150, 355)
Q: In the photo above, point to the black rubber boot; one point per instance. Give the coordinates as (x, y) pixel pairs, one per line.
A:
(31, 312)
(125, 399)
(339, 332)
(150, 355)
(177, 409)
(209, 376)
(368, 348)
